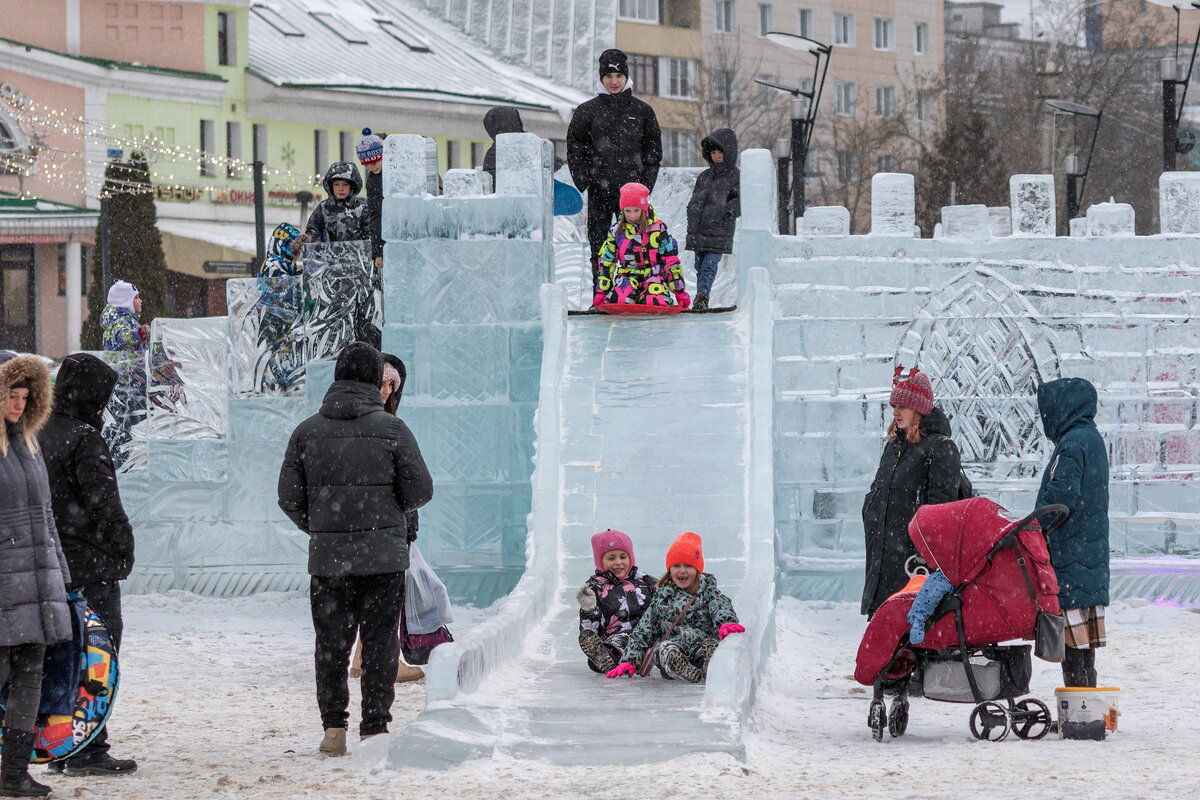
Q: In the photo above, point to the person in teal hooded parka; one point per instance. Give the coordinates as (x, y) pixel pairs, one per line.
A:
(1077, 477)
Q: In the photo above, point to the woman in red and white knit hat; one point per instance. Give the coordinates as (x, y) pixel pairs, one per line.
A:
(920, 465)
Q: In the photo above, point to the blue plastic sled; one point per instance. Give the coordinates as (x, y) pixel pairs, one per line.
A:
(567, 200)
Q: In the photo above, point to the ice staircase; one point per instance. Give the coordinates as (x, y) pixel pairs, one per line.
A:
(652, 426)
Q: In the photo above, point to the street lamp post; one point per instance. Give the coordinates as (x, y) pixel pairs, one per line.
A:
(1170, 123)
(1076, 179)
(803, 113)
(783, 185)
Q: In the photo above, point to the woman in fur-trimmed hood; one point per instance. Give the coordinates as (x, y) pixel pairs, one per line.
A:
(33, 571)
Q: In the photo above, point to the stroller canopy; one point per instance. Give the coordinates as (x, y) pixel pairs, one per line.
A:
(957, 537)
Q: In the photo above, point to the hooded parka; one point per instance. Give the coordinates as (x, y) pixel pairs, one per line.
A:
(909, 475)
(716, 199)
(92, 525)
(336, 220)
(1077, 477)
(33, 570)
(497, 121)
(350, 475)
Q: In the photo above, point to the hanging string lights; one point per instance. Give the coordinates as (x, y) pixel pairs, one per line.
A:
(82, 168)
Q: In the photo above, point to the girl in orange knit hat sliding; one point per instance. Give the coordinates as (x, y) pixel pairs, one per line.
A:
(685, 621)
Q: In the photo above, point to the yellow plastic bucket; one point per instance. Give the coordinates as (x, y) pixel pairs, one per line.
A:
(1085, 712)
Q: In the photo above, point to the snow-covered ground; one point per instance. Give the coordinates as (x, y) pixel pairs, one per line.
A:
(217, 701)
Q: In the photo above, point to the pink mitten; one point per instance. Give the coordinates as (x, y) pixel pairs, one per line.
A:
(684, 300)
(599, 298)
(730, 627)
(620, 670)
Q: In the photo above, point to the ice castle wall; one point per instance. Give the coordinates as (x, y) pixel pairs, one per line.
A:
(988, 318)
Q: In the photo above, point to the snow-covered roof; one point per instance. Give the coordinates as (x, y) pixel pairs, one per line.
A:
(234, 235)
(388, 45)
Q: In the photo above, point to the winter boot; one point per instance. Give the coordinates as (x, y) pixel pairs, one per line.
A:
(707, 649)
(597, 654)
(1074, 666)
(675, 664)
(700, 303)
(103, 764)
(407, 674)
(14, 766)
(334, 743)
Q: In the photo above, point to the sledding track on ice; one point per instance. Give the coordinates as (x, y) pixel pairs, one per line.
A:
(652, 426)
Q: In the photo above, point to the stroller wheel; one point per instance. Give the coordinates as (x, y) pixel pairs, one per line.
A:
(990, 721)
(898, 719)
(877, 719)
(1031, 719)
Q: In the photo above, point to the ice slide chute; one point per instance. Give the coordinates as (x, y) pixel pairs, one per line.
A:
(653, 426)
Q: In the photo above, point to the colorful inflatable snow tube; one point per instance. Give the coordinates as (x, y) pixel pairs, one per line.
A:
(59, 735)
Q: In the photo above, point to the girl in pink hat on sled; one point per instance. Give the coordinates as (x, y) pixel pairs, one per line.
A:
(639, 261)
(612, 601)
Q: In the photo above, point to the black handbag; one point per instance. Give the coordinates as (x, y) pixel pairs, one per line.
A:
(1049, 635)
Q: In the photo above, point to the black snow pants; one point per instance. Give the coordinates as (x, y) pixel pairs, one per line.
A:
(603, 202)
(22, 664)
(366, 606)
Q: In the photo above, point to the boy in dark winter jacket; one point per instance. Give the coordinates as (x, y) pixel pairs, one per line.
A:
(1077, 478)
(370, 155)
(613, 139)
(687, 619)
(713, 210)
(96, 536)
(342, 216)
(612, 601)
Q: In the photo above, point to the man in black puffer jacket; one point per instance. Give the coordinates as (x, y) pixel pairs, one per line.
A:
(613, 139)
(350, 476)
(96, 536)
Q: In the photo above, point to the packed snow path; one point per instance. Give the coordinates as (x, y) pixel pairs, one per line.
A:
(654, 440)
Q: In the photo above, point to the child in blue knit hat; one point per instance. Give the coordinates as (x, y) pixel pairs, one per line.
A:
(370, 155)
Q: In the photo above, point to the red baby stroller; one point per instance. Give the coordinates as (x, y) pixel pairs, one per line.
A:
(1001, 573)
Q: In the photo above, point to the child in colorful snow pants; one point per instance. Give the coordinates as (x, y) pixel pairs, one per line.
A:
(612, 601)
(688, 617)
(639, 261)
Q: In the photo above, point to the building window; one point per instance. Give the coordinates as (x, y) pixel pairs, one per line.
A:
(726, 19)
(845, 98)
(885, 101)
(805, 24)
(724, 91)
(885, 162)
(476, 154)
(766, 95)
(766, 18)
(346, 146)
(258, 132)
(233, 148)
(677, 78)
(226, 39)
(643, 71)
(639, 10)
(679, 148)
(208, 135)
(884, 40)
(921, 38)
(848, 167)
(451, 154)
(843, 30)
(320, 151)
(922, 106)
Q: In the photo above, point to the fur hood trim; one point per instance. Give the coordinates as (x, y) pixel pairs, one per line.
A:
(37, 411)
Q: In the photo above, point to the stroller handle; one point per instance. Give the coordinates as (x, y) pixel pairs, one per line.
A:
(1060, 512)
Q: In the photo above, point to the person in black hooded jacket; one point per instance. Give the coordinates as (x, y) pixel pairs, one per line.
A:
(350, 476)
(713, 210)
(96, 536)
(496, 121)
(613, 139)
(920, 465)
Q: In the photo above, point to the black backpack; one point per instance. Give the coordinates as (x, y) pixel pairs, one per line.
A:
(965, 490)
